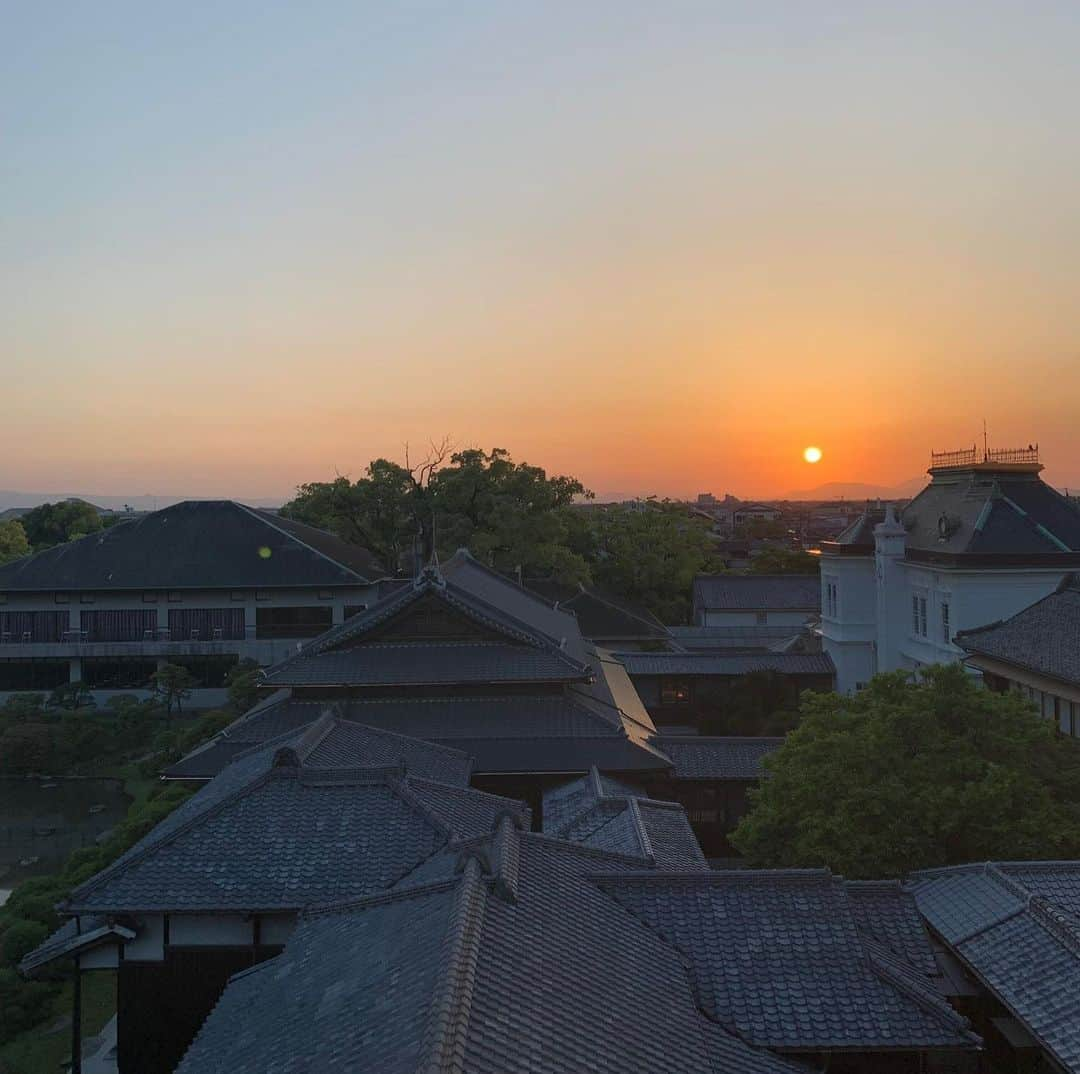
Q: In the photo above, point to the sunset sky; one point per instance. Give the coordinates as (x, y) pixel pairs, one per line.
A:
(663, 247)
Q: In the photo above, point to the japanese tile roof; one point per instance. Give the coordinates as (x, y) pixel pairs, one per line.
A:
(887, 914)
(272, 832)
(758, 592)
(424, 664)
(68, 940)
(726, 664)
(1016, 927)
(717, 757)
(608, 815)
(601, 616)
(516, 640)
(719, 639)
(1044, 637)
(779, 958)
(979, 513)
(198, 544)
(514, 961)
(554, 733)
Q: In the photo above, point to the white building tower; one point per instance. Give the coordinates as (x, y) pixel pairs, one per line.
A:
(984, 539)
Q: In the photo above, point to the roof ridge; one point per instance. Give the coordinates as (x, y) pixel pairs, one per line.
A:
(1064, 928)
(887, 967)
(642, 832)
(582, 848)
(293, 537)
(506, 857)
(400, 787)
(474, 792)
(717, 876)
(443, 1045)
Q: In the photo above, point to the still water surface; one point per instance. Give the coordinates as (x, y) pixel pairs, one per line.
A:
(43, 821)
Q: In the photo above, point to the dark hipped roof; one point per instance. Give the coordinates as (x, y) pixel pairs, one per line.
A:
(604, 814)
(511, 960)
(601, 616)
(1044, 637)
(273, 831)
(758, 592)
(858, 538)
(198, 544)
(643, 664)
(709, 757)
(840, 989)
(1016, 926)
(986, 513)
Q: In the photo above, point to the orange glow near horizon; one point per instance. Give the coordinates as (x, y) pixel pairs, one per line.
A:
(660, 252)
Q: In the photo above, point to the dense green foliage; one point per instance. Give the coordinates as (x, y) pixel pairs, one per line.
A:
(649, 554)
(242, 684)
(761, 529)
(40, 736)
(759, 703)
(172, 685)
(54, 523)
(515, 518)
(13, 542)
(785, 561)
(915, 774)
(505, 511)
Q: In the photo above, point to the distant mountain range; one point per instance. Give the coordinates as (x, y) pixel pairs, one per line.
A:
(12, 498)
(857, 490)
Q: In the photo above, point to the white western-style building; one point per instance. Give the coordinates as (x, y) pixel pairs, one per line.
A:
(986, 538)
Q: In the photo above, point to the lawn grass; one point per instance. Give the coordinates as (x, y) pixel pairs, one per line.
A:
(38, 1051)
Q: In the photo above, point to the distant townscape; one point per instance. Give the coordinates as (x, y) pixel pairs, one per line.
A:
(455, 768)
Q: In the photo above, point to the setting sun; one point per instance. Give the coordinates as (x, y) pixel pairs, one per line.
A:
(812, 454)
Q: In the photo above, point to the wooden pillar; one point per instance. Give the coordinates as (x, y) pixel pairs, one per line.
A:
(76, 1022)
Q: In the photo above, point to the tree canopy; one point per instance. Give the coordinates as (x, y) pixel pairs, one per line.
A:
(13, 542)
(785, 561)
(54, 523)
(649, 554)
(915, 774)
(509, 514)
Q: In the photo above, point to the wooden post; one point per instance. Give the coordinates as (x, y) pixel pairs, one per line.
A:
(76, 1022)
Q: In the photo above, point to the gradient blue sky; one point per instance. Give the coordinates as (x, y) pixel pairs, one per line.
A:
(662, 247)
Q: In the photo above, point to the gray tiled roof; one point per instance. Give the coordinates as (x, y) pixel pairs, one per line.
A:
(967, 513)
(601, 616)
(778, 957)
(200, 544)
(506, 649)
(514, 962)
(716, 757)
(608, 815)
(1044, 637)
(758, 592)
(68, 940)
(423, 664)
(1016, 926)
(640, 664)
(273, 833)
(720, 639)
(887, 914)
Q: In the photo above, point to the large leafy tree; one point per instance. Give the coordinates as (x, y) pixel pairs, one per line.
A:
(510, 514)
(649, 553)
(54, 523)
(914, 774)
(13, 542)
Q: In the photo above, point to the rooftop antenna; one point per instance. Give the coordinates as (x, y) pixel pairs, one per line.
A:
(986, 448)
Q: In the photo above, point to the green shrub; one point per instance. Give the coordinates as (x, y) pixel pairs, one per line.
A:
(21, 937)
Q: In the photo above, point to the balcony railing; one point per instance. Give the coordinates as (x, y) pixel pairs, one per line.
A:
(946, 460)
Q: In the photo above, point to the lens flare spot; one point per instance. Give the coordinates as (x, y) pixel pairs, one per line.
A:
(812, 454)
(264, 552)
